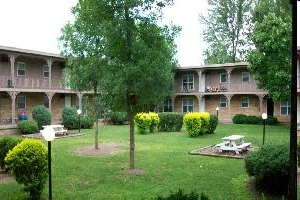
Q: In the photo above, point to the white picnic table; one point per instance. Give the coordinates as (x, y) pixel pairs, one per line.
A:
(234, 143)
(58, 129)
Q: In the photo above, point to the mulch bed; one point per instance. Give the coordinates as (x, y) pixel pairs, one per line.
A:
(212, 151)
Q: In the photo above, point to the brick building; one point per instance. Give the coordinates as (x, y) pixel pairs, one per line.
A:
(230, 87)
(29, 78)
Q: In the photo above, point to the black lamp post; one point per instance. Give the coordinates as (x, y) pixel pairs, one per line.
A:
(49, 135)
(79, 113)
(217, 109)
(264, 117)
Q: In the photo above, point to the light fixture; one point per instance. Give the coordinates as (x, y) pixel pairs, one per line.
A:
(264, 117)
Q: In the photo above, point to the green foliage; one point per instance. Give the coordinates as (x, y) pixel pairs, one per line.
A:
(298, 153)
(70, 118)
(118, 117)
(41, 115)
(146, 121)
(226, 29)
(170, 121)
(239, 119)
(28, 163)
(86, 122)
(252, 119)
(270, 60)
(269, 165)
(6, 144)
(213, 123)
(271, 120)
(28, 127)
(180, 195)
(196, 123)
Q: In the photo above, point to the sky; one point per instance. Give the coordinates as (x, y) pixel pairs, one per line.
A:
(36, 25)
(298, 23)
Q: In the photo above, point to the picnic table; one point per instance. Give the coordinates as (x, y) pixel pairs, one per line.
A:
(234, 143)
(58, 129)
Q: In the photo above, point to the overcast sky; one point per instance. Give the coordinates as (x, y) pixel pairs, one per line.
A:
(298, 23)
(36, 25)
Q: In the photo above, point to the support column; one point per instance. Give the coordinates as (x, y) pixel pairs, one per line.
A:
(12, 58)
(173, 103)
(49, 63)
(13, 95)
(228, 70)
(228, 97)
(199, 72)
(201, 107)
(260, 97)
(79, 95)
(50, 95)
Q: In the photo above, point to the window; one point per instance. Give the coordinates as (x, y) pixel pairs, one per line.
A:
(21, 102)
(245, 76)
(21, 69)
(285, 108)
(245, 102)
(223, 102)
(188, 82)
(168, 105)
(187, 105)
(46, 71)
(223, 78)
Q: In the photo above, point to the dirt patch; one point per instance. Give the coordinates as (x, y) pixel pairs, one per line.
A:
(103, 150)
(138, 172)
(212, 151)
(5, 176)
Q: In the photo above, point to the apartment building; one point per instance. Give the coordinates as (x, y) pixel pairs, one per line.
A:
(230, 87)
(29, 78)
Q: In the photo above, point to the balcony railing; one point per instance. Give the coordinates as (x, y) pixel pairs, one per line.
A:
(30, 83)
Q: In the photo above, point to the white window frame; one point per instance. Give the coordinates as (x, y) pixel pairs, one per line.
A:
(168, 105)
(19, 65)
(20, 101)
(189, 83)
(226, 77)
(187, 103)
(46, 69)
(287, 106)
(245, 100)
(245, 76)
(223, 102)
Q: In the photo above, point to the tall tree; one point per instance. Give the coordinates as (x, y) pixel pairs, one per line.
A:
(119, 49)
(270, 59)
(227, 26)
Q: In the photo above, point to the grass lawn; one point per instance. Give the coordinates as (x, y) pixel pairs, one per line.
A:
(164, 159)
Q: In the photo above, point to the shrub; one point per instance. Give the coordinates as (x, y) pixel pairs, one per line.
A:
(213, 123)
(270, 167)
(298, 153)
(154, 121)
(70, 118)
(252, 119)
(87, 122)
(28, 127)
(118, 118)
(196, 123)
(271, 120)
(180, 195)
(41, 115)
(239, 119)
(170, 121)
(146, 121)
(6, 144)
(28, 163)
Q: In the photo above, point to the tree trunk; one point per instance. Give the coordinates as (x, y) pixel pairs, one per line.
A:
(132, 143)
(96, 133)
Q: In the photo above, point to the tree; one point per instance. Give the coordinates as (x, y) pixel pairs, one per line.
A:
(227, 26)
(117, 48)
(270, 60)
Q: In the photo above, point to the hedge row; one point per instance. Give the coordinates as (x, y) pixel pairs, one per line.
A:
(252, 119)
(170, 121)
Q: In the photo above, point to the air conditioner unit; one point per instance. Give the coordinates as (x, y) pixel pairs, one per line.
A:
(9, 83)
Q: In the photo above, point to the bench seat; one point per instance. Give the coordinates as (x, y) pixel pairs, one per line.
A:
(243, 146)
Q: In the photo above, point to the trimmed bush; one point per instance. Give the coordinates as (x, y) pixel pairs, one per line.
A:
(146, 121)
(180, 195)
(28, 163)
(239, 119)
(28, 127)
(41, 115)
(6, 144)
(70, 118)
(87, 122)
(252, 119)
(196, 123)
(170, 121)
(269, 165)
(271, 120)
(213, 123)
(154, 121)
(118, 118)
